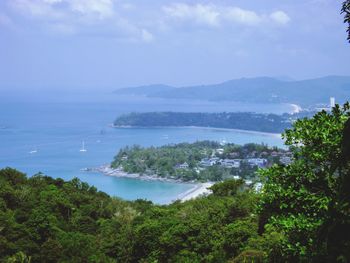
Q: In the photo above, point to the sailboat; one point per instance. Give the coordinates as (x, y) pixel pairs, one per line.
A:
(33, 151)
(83, 147)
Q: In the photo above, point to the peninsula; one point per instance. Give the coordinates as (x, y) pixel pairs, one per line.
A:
(270, 123)
(202, 161)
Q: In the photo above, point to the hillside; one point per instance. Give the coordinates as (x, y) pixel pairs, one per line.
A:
(263, 90)
(43, 219)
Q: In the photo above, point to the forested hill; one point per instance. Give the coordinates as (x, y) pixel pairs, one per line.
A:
(263, 90)
(51, 220)
(244, 121)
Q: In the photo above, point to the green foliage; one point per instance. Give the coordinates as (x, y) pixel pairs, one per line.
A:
(236, 120)
(346, 11)
(228, 187)
(305, 200)
(163, 161)
(49, 220)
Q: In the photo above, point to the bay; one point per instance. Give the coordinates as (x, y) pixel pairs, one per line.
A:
(55, 129)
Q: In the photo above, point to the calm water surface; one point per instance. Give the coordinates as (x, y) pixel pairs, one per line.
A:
(56, 131)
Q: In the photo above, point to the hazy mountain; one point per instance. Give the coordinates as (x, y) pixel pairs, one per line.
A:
(262, 89)
(148, 90)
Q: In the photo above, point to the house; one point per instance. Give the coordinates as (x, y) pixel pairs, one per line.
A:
(234, 155)
(286, 160)
(264, 154)
(182, 166)
(209, 162)
(229, 163)
(260, 162)
(274, 154)
(248, 182)
(219, 151)
(215, 159)
(252, 154)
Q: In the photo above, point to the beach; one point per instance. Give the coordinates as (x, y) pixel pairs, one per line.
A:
(269, 134)
(197, 190)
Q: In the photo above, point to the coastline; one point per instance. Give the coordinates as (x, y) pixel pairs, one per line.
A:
(200, 189)
(278, 135)
(197, 190)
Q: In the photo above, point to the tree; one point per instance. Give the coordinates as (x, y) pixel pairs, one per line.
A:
(346, 11)
(308, 200)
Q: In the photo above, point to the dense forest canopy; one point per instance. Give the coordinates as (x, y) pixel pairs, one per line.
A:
(237, 120)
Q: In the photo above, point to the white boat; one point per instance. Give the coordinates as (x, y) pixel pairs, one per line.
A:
(33, 151)
(83, 147)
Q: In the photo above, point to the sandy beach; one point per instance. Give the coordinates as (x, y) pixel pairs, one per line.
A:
(278, 135)
(198, 189)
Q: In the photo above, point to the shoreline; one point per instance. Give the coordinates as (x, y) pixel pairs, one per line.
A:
(200, 189)
(279, 135)
(197, 190)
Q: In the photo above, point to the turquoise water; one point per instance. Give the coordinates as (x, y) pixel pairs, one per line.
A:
(56, 131)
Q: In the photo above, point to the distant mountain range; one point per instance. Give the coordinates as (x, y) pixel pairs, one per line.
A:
(262, 90)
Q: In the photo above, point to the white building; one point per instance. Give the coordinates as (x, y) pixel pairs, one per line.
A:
(260, 162)
(182, 166)
(220, 151)
(332, 102)
(285, 160)
(229, 163)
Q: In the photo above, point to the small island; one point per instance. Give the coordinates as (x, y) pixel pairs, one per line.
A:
(269, 123)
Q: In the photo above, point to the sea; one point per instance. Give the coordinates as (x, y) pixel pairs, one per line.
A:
(45, 135)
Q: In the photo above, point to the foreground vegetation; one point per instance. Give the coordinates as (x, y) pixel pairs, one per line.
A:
(301, 215)
(50, 220)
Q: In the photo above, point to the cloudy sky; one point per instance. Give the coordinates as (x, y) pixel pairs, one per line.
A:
(81, 44)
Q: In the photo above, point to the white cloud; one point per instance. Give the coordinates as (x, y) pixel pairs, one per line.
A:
(146, 36)
(280, 17)
(37, 8)
(242, 16)
(60, 8)
(215, 15)
(101, 8)
(200, 14)
(95, 17)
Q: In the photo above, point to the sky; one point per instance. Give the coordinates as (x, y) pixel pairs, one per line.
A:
(110, 44)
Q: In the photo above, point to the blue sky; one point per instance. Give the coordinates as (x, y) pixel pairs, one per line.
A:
(107, 44)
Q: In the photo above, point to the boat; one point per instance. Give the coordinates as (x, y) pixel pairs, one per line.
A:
(35, 150)
(83, 147)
